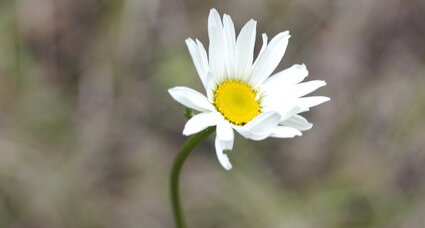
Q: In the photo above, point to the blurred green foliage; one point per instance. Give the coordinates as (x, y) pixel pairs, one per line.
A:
(88, 131)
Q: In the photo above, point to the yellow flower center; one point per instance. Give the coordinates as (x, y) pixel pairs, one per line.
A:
(235, 100)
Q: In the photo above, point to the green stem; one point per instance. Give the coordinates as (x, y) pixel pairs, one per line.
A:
(175, 173)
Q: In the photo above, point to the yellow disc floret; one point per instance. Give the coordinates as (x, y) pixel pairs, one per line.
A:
(236, 101)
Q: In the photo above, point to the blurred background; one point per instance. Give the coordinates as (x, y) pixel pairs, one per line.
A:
(88, 131)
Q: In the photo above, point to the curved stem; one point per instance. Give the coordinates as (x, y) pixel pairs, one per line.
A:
(175, 173)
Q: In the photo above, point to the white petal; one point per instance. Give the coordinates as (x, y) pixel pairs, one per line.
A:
(279, 102)
(217, 48)
(229, 29)
(229, 36)
(191, 98)
(270, 58)
(288, 112)
(200, 122)
(209, 82)
(298, 122)
(305, 103)
(211, 86)
(220, 146)
(263, 47)
(224, 131)
(290, 76)
(285, 132)
(203, 55)
(245, 48)
(217, 53)
(198, 60)
(305, 88)
(214, 19)
(260, 127)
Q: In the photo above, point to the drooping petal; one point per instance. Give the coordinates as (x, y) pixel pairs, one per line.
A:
(245, 48)
(260, 127)
(224, 141)
(220, 146)
(297, 122)
(269, 59)
(305, 103)
(224, 131)
(290, 76)
(305, 88)
(200, 122)
(191, 98)
(285, 132)
(198, 58)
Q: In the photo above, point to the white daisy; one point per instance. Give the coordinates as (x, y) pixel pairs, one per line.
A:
(241, 94)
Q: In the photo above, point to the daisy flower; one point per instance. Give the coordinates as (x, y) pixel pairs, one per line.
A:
(242, 95)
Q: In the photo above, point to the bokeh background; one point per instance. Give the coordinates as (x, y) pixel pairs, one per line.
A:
(88, 131)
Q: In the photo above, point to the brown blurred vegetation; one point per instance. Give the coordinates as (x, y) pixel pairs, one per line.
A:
(88, 131)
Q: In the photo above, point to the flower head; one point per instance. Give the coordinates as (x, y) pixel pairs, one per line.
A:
(241, 93)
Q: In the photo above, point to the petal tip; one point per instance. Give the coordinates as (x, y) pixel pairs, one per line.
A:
(228, 168)
(213, 10)
(297, 133)
(186, 132)
(301, 66)
(285, 34)
(222, 157)
(214, 14)
(171, 90)
(309, 127)
(252, 21)
(224, 161)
